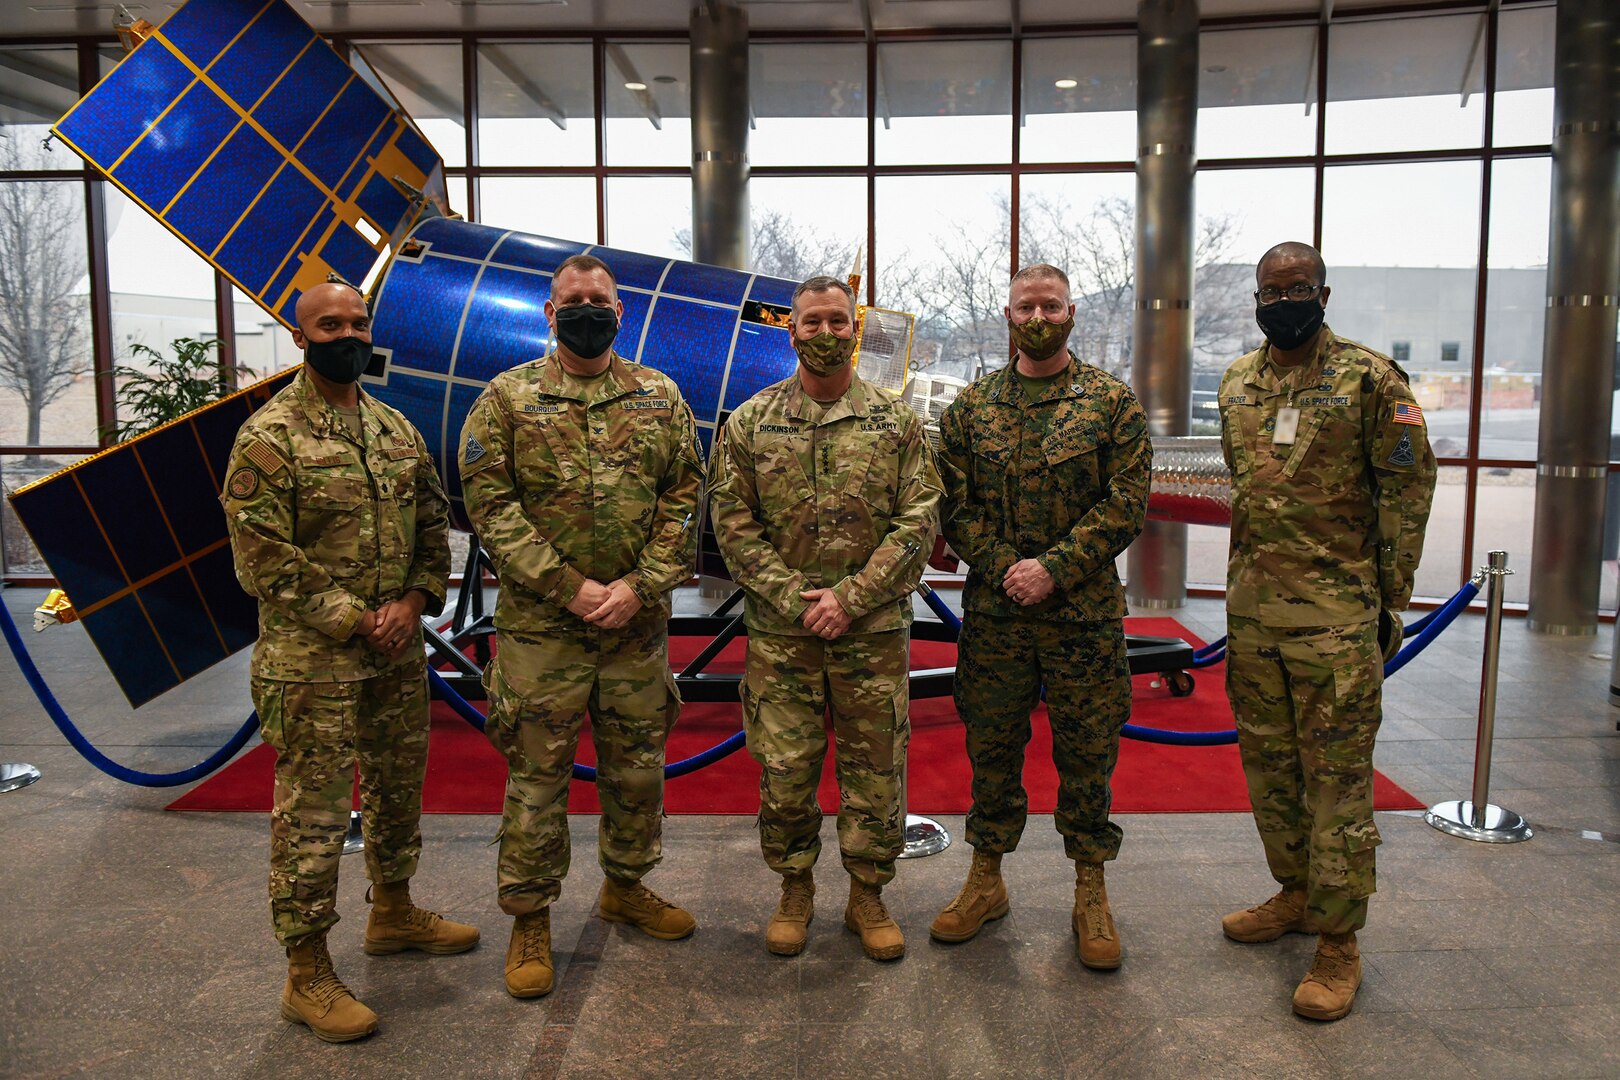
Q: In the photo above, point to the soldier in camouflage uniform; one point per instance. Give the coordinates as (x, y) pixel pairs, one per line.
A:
(1332, 476)
(339, 527)
(582, 475)
(1046, 465)
(823, 495)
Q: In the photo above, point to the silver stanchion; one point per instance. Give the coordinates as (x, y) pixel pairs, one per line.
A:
(924, 836)
(16, 774)
(1476, 818)
(355, 840)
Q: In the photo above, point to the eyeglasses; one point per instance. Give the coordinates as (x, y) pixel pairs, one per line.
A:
(1299, 290)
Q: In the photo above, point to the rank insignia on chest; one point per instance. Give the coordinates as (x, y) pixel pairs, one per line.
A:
(1270, 425)
(1403, 455)
(473, 450)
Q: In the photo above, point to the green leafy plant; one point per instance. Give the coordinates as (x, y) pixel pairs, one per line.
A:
(167, 387)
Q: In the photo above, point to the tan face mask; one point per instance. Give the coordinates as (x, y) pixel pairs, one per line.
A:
(1039, 339)
(825, 353)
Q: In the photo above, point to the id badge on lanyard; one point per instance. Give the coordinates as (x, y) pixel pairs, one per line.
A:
(1287, 426)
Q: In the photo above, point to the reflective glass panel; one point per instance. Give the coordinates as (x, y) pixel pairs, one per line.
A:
(1524, 77)
(1515, 308)
(47, 391)
(560, 206)
(809, 104)
(944, 102)
(426, 81)
(1257, 92)
(1094, 119)
(535, 104)
(649, 117)
(262, 343)
(1440, 572)
(807, 225)
(1085, 224)
(650, 214)
(1504, 520)
(1406, 84)
(36, 87)
(943, 253)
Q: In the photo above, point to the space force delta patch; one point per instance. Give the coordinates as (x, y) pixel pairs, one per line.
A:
(473, 450)
(1403, 454)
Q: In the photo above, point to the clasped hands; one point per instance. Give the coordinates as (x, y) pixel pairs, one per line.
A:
(607, 606)
(392, 627)
(1027, 582)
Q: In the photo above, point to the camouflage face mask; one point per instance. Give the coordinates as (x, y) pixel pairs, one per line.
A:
(825, 353)
(1039, 339)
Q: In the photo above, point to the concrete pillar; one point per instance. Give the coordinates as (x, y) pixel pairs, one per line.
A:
(1583, 293)
(720, 220)
(1161, 350)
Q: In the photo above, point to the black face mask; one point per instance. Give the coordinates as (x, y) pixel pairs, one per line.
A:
(587, 330)
(1288, 324)
(342, 361)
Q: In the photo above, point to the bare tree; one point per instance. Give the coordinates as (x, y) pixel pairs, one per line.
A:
(784, 248)
(42, 316)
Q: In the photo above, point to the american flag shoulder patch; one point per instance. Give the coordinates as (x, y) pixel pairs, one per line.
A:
(268, 461)
(1408, 413)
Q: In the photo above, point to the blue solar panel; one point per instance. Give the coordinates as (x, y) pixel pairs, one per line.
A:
(461, 238)
(172, 604)
(258, 58)
(382, 203)
(417, 150)
(143, 86)
(233, 611)
(117, 483)
(633, 270)
(421, 328)
(713, 283)
(227, 186)
(677, 325)
(251, 254)
(633, 324)
(202, 28)
(461, 403)
(349, 253)
(125, 638)
(331, 149)
(184, 485)
(289, 111)
(533, 252)
(177, 146)
(763, 356)
(769, 290)
(505, 326)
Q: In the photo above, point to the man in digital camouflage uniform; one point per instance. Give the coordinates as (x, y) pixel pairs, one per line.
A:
(339, 528)
(1046, 465)
(823, 495)
(1332, 476)
(583, 477)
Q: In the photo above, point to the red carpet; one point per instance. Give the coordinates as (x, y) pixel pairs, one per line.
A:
(466, 776)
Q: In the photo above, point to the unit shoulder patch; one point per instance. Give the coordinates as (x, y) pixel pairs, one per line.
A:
(243, 483)
(1403, 455)
(473, 450)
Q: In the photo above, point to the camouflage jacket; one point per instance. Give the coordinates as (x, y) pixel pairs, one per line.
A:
(846, 502)
(325, 527)
(1327, 530)
(1062, 479)
(563, 489)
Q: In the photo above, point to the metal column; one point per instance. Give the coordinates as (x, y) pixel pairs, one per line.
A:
(720, 220)
(1161, 350)
(1583, 291)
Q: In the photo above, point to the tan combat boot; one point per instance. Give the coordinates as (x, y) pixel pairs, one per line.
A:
(1329, 989)
(865, 914)
(1098, 943)
(1282, 914)
(316, 997)
(785, 933)
(982, 899)
(528, 955)
(396, 924)
(644, 909)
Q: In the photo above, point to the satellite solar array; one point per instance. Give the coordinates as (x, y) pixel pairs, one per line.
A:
(136, 538)
(241, 130)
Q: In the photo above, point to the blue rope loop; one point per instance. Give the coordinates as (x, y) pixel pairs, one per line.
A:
(87, 750)
(464, 709)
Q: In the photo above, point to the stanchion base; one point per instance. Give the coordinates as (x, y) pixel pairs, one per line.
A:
(356, 839)
(924, 836)
(17, 774)
(1497, 825)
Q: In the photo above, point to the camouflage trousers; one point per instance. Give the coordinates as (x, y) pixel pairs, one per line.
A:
(319, 732)
(790, 686)
(540, 688)
(1307, 702)
(1001, 666)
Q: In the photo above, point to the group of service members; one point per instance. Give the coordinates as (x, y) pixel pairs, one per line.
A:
(583, 475)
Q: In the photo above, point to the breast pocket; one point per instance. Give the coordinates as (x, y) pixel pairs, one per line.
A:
(330, 507)
(544, 449)
(780, 479)
(1071, 456)
(1328, 453)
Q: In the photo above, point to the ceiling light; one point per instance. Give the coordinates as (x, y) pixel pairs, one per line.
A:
(635, 86)
(1066, 84)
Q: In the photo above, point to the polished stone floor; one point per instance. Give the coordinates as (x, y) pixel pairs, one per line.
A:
(134, 942)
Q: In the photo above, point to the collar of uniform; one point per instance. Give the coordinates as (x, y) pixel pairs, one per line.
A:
(323, 418)
(1009, 389)
(556, 381)
(851, 403)
(1268, 376)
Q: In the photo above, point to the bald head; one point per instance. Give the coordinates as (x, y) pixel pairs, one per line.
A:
(1292, 252)
(329, 311)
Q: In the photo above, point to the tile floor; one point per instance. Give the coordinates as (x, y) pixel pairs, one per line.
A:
(135, 941)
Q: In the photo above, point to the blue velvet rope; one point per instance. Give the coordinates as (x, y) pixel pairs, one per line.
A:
(76, 739)
(463, 708)
(1432, 625)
